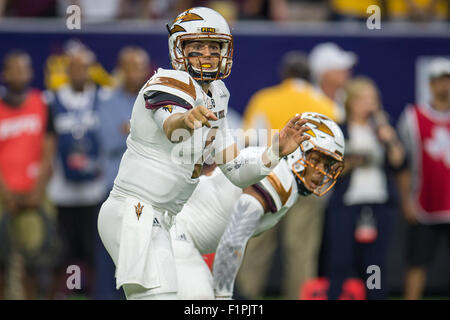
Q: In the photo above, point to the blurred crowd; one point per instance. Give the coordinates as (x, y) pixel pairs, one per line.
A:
(60, 152)
(232, 10)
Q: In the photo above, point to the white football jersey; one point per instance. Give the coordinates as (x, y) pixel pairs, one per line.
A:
(207, 213)
(153, 168)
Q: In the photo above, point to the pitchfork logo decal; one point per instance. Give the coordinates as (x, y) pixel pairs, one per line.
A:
(187, 16)
(319, 126)
(139, 208)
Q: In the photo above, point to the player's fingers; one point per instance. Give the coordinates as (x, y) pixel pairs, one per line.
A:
(302, 128)
(204, 121)
(189, 121)
(211, 116)
(291, 123)
(297, 126)
(197, 124)
(301, 123)
(207, 113)
(302, 138)
(189, 124)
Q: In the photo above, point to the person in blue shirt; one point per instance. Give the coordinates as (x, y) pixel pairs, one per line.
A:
(133, 68)
(115, 110)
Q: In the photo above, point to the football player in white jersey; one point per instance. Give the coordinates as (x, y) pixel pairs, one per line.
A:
(178, 121)
(220, 217)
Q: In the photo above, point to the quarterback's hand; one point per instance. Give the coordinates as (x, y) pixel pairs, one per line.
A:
(291, 136)
(198, 117)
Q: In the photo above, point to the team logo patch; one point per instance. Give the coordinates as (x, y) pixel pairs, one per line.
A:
(138, 209)
(168, 108)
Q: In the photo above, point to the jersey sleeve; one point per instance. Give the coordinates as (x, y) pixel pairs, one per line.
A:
(161, 114)
(170, 87)
(277, 188)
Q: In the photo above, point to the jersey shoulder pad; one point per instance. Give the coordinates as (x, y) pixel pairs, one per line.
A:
(174, 82)
(279, 185)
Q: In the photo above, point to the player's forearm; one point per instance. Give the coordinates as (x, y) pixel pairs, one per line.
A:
(248, 168)
(245, 217)
(251, 165)
(173, 123)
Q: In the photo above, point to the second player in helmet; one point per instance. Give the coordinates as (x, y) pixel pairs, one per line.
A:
(230, 216)
(319, 161)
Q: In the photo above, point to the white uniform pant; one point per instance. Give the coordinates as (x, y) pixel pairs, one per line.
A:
(195, 280)
(138, 241)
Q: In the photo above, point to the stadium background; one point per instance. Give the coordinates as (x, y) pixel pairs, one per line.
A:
(389, 56)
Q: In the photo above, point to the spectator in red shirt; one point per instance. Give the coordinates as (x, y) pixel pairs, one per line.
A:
(26, 150)
(425, 183)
